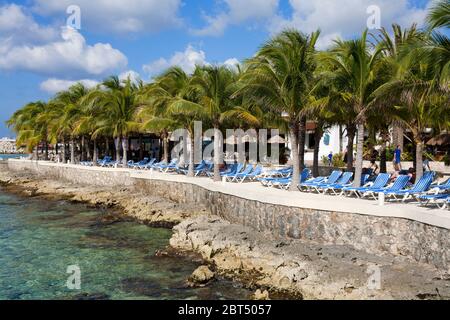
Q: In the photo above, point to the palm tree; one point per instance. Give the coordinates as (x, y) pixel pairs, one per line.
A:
(71, 102)
(280, 78)
(31, 126)
(214, 87)
(439, 15)
(420, 90)
(155, 100)
(391, 46)
(355, 70)
(119, 104)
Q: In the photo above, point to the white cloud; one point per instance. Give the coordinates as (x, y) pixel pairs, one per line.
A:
(53, 85)
(70, 55)
(133, 75)
(17, 27)
(237, 12)
(117, 16)
(345, 18)
(187, 60)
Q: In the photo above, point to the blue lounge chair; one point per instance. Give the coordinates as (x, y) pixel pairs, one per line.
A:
(172, 166)
(185, 171)
(246, 171)
(140, 163)
(418, 189)
(437, 199)
(380, 182)
(308, 185)
(398, 185)
(285, 183)
(336, 188)
(146, 165)
(234, 169)
(342, 181)
(442, 186)
(241, 177)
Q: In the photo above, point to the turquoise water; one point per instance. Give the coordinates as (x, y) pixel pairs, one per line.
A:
(12, 156)
(39, 239)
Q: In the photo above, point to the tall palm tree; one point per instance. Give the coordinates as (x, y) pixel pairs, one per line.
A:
(280, 78)
(31, 126)
(119, 101)
(71, 102)
(391, 45)
(355, 71)
(155, 100)
(214, 87)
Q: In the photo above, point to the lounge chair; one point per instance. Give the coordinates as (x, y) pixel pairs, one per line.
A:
(437, 199)
(442, 186)
(145, 165)
(246, 171)
(234, 169)
(172, 166)
(399, 183)
(134, 165)
(309, 184)
(342, 181)
(380, 182)
(337, 188)
(285, 183)
(197, 168)
(418, 189)
(241, 177)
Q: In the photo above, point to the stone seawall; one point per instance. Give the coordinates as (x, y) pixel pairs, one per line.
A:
(417, 241)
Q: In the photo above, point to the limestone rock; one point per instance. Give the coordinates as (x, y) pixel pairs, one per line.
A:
(201, 275)
(261, 295)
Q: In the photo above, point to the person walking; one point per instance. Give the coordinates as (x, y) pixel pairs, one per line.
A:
(397, 158)
(330, 158)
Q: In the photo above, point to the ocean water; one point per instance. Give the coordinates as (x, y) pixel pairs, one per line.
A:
(40, 239)
(12, 156)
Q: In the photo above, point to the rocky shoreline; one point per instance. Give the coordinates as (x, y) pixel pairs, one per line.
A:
(151, 210)
(286, 268)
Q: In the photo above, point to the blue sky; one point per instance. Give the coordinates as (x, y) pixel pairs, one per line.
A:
(39, 55)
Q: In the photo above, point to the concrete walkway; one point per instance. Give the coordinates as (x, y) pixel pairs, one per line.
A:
(255, 191)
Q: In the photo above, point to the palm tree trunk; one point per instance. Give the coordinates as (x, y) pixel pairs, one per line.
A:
(351, 132)
(36, 153)
(83, 148)
(359, 155)
(46, 150)
(217, 151)
(340, 138)
(301, 143)
(63, 156)
(293, 133)
(72, 151)
(117, 145)
(125, 151)
(317, 136)
(383, 166)
(191, 155)
(107, 146)
(165, 136)
(88, 149)
(419, 161)
(95, 153)
(141, 147)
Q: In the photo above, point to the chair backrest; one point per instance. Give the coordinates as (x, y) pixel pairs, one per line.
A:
(247, 170)
(364, 178)
(239, 168)
(345, 178)
(258, 170)
(430, 173)
(423, 184)
(304, 175)
(334, 176)
(381, 180)
(400, 183)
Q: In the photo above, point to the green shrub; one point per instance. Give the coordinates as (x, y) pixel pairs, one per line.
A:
(446, 159)
(338, 160)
